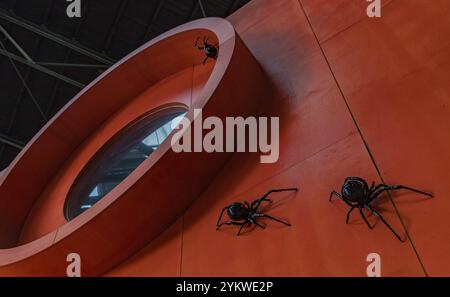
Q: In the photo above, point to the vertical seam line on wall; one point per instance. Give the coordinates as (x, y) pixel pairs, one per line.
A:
(353, 24)
(192, 85)
(181, 248)
(182, 217)
(362, 137)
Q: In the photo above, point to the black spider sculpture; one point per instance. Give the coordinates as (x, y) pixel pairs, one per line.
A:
(356, 193)
(242, 214)
(211, 51)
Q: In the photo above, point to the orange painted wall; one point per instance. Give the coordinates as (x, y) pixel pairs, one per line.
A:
(344, 85)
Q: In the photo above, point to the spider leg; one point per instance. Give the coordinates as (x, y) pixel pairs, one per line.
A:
(334, 193)
(234, 224)
(364, 217)
(257, 202)
(256, 223)
(375, 192)
(279, 190)
(228, 223)
(275, 219)
(220, 217)
(398, 187)
(382, 187)
(376, 213)
(372, 187)
(242, 227)
(349, 212)
(198, 46)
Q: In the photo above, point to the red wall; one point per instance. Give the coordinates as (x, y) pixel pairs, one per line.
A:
(34, 220)
(356, 97)
(47, 213)
(339, 79)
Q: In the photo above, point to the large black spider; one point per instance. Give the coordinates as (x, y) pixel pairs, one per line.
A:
(242, 214)
(356, 193)
(211, 51)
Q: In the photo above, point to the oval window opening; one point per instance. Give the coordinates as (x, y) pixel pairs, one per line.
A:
(119, 157)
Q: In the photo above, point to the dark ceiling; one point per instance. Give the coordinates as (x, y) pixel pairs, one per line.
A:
(106, 32)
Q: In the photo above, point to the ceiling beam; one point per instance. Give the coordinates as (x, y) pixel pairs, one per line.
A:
(72, 65)
(155, 13)
(41, 68)
(67, 56)
(55, 37)
(121, 9)
(202, 8)
(21, 95)
(233, 7)
(22, 79)
(194, 9)
(16, 45)
(11, 142)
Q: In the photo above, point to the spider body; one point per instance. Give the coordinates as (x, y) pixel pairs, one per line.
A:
(355, 192)
(242, 214)
(211, 51)
(238, 211)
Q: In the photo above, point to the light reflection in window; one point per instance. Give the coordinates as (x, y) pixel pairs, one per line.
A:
(119, 158)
